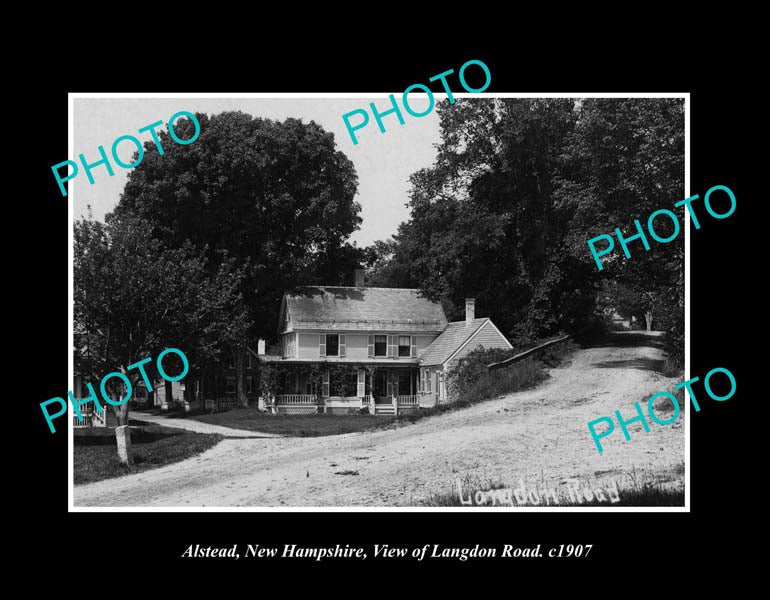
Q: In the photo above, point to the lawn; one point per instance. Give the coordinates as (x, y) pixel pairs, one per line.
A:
(521, 376)
(252, 419)
(96, 455)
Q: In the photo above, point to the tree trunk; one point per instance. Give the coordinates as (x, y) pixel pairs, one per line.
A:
(118, 390)
(648, 318)
(121, 413)
(240, 378)
(191, 391)
(122, 432)
(123, 440)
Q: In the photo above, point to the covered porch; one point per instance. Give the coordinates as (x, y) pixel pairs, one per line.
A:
(346, 389)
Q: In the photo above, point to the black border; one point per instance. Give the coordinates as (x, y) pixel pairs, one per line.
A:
(718, 116)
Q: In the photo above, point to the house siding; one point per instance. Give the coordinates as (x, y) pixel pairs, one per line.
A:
(356, 345)
(487, 336)
(428, 399)
(289, 345)
(308, 345)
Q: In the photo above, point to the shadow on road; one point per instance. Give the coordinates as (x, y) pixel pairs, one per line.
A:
(630, 339)
(643, 364)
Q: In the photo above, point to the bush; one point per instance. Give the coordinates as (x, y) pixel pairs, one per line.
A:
(555, 355)
(473, 367)
(595, 331)
(519, 376)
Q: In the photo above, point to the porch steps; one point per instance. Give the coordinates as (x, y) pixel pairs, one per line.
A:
(384, 409)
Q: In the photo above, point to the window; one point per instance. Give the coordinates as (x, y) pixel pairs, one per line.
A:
(250, 383)
(310, 388)
(404, 346)
(249, 360)
(291, 344)
(230, 386)
(332, 344)
(380, 345)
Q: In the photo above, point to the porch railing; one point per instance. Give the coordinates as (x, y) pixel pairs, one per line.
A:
(226, 403)
(292, 399)
(90, 415)
(99, 419)
(86, 422)
(408, 400)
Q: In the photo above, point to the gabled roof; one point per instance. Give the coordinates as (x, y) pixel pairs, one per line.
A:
(334, 308)
(452, 339)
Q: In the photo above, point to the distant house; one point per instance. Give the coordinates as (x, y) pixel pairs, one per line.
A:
(218, 386)
(140, 397)
(217, 391)
(381, 350)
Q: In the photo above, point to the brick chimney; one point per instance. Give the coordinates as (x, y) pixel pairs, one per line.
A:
(359, 273)
(470, 311)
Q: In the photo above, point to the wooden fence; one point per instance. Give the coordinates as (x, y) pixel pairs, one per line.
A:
(525, 354)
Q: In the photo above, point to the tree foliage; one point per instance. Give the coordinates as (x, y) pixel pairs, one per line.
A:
(623, 161)
(134, 298)
(517, 189)
(276, 196)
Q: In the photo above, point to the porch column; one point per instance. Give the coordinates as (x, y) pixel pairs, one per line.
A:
(372, 374)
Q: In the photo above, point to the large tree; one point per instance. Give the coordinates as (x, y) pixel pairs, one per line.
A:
(135, 298)
(623, 161)
(519, 186)
(483, 221)
(277, 196)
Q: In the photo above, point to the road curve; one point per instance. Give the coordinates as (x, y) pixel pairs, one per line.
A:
(538, 435)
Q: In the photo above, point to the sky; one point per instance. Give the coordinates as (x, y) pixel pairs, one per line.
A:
(383, 161)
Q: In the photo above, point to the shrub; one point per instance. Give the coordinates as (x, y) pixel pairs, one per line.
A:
(594, 331)
(473, 367)
(555, 355)
(519, 376)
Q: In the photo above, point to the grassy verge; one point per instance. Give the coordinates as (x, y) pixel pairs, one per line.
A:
(637, 488)
(321, 424)
(520, 376)
(96, 455)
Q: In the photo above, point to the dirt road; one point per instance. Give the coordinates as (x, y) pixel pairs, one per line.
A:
(538, 435)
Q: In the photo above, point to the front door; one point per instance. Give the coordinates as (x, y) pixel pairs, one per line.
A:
(380, 383)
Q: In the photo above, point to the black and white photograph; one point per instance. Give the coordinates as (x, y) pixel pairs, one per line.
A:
(467, 302)
(346, 311)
